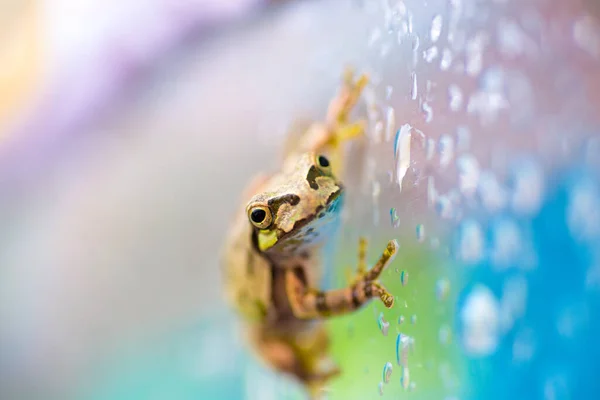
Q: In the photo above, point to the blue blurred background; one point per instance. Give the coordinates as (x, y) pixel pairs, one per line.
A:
(128, 131)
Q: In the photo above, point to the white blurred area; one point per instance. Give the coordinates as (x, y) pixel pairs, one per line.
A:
(114, 227)
(142, 126)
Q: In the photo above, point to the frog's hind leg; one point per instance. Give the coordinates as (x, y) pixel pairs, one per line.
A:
(319, 368)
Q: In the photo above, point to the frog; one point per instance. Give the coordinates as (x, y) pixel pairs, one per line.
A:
(273, 256)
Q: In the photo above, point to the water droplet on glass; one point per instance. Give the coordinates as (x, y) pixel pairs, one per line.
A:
(474, 53)
(380, 388)
(446, 59)
(387, 372)
(404, 278)
(402, 152)
(404, 344)
(446, 149)
(401, 320)
(420, 233)
(479, 316)
(430, 149)
(430, 54)
(388, 92)
(413, 92)
(493, 196)
(431, 192)
(394, 218)
(527, 187)
(378, 132)
(428, 112)
(463, 139)
(444, 335)
(583, 210)
(405, 378)
(383, 324)
(442, 288)
(436, 28)
(586, 34)
(511, 39)
(413, 319)
(470, 245)
(506, 243)
(374, 37)
(391, 123)
(456, 97)
(412, 387)
(415, 43)
(468, 174)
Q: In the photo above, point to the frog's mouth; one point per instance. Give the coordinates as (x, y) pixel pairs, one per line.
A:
(315, 229)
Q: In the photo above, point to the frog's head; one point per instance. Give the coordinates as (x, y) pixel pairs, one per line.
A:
(297, 206)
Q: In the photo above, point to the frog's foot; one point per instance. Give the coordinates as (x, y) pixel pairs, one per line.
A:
(366, 280)
(317, 381)
(341, 106)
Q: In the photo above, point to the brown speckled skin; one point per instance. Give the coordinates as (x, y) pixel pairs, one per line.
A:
(272, 272)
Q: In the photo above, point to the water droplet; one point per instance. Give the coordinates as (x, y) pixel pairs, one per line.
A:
(413, 92)
(415, 43)
(420, 233)
(387, 372)
(479, 316)
(474, 53)
(493, 196)
(527, 187)
(430, 150)
(378, 132)
(506, 243)
(456, 97)
(391, 123)
(413, 319)
(432, 195)
(511, 39)
(380, 388)
(412, 387)
(446, 149)
(374, 37)
(468, 174)
(586, 34)
(436, 28)
(383, 324)
(444, 335)
(404, 278)
(446, 59)
(583, 210)
(470, 246)
(442, 288)
(388, 92)
(394, 218)
(401, 320)
(404, 344)
(523, 346)
(428, 112)
(402, 152)
(430, 54)
(463, 139)
(405, 378)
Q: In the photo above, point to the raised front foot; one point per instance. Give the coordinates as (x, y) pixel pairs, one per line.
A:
(365, 283)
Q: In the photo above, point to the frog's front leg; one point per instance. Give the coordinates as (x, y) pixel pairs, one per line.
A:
(310, 303)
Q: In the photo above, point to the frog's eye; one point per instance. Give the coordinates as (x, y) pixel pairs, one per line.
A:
(323, 163)
(260, 216)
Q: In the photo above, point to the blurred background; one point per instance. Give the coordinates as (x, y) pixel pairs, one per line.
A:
(129, 130)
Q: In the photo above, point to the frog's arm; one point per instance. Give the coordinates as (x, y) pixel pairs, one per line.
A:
(309, 303)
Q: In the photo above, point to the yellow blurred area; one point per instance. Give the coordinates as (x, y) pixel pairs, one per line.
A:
(20, 54)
